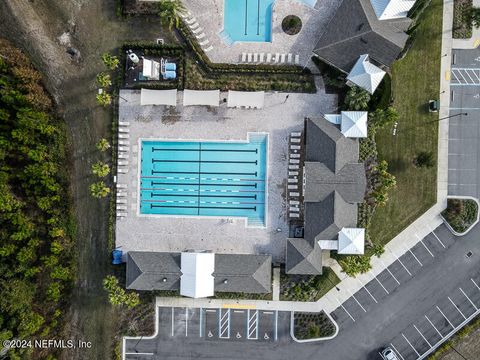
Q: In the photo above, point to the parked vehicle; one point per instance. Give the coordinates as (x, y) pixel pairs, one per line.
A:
(389, 354)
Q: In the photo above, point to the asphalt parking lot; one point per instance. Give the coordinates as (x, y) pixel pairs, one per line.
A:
(464, 127)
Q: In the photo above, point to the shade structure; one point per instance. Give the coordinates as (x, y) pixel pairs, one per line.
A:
(197, 280)
(354, 124)
(158, 97)
(151, 69)
(201, 97)
(391, 9)
(366, 75)
(351, 241)
(248, 99)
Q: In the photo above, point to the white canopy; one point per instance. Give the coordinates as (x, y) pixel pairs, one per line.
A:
(249, 99)
(158, 97)
(366, 75)
(351, 241)
(328, 244)
(201, 97)
(151, 69)
(354, 124)
(391, 9)
(197, 280)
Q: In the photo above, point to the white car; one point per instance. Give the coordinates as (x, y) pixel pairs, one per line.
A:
(389, 354)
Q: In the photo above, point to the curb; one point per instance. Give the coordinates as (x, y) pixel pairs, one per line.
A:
(449, 227)
(292, 327)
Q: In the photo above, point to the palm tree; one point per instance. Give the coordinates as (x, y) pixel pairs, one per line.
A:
(357, 99)
(99, 189)
(169, 11)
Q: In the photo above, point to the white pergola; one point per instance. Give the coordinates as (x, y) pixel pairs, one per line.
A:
(366, 75)
(354, 124)
(351, 241)
(151, 69)
(201, 97)
(158, 97)
(391, 9)
(197, 280)
(247, 99)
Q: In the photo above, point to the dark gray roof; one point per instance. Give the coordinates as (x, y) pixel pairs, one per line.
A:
(146, 270)
(243, 273)
(355, 30)
(303, 258)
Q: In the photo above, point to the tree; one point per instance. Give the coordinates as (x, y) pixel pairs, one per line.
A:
(104, 99)
(383, 117)
(104, 80)
(99, 189)
(471, 15)
(103, 145)
(357, 99)
(424, 159)
(168, 12)
(100, 169)
(117, 295)
(111, 61)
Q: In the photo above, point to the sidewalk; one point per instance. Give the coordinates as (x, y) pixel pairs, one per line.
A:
(474, 41)
(397, 246)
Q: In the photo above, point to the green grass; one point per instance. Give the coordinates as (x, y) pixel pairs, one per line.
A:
(307, 288)
(415, 80)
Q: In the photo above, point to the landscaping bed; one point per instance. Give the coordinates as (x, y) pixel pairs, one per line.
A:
(307, 288)
(291, 25)
(460, 214)
(309, 326)
(462, 26)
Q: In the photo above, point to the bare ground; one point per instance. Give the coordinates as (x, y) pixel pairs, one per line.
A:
(36, 26)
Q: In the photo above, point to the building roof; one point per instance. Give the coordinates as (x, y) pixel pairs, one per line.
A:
(391, 9)
(355, 30)
(354, 124)
(153, 271)
(201, 97)
(351, 241)
(366, 75)
(243, 273)
(197, 274)
(303, 257)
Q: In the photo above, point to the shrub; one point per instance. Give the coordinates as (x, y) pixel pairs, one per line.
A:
(110, 61)
(424, 159)
(103, 145)
(100, 169)
(357, 99)
(117, 295)
(104, 80)
(104, 99)
(99, 189)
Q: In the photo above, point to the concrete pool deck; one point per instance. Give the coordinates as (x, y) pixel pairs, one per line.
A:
(279, 117)
(209, 14)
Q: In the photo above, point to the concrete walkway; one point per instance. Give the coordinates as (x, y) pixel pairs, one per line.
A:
(474, 41)
(397, 246)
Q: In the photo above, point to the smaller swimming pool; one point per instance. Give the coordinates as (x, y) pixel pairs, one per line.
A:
(248, 20)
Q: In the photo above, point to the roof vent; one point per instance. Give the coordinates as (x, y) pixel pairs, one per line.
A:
(363, 41)
(164, 280)
(225, 281)
(360, 27)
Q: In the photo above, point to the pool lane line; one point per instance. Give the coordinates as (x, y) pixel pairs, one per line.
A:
(258, 17)
(207, 196)
(199, 177)
(206, 161)
(193, 184)
(246, 16)
(195, 172)
(204, 207)
(208, 150)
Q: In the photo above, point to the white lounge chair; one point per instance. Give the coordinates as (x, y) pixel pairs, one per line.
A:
(292, 180)
(124, 142)
(293, 173)
(122, 163)
(208, 48)
(289, 58)
(249, 57)
(122, 186)
(190, 21)
(297, 59)
(124, 123)
(294, 215)
(255, 57)
(194, 26)
(184, 15)
(294, 202)
(295, 140)
(121, 214)
(277, 57)
(282, 58)
(121, 194)
(197, 30)
(262, 57)
(295, 156)
(292, 161)
(123, 136)
(244, 57)
(201, 36)
(292, 187)
(204, 42)
(123, 148)
(269, 57)
(295, 147)
(121, 207)
(294, 209)
(293, 167)
(123, 156)
(294, 194)
(123, 129)
(122, 170)
(295, 134)
(121, 201)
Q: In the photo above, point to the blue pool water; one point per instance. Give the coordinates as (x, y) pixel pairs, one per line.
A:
(224, 179)
(248, 20)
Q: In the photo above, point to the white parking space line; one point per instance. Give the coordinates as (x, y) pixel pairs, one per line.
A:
(409, 343)
(441, 312)
(368, 291)
(200, 323)
(186, 322)
(173, 314)
(456, 307)
(425, 246)
(440, 241)
(224, 325)
(401, 263)
(139, 353)
(383, 287)
(411, 252)
(343, 307)
(455, 76)
(439, 333)
(276, 325)
(471, 302)
(386, 268)
(252, 324)
(396, 351)
(239, 311)
(354, 298)
(474, 283)
(423, 337)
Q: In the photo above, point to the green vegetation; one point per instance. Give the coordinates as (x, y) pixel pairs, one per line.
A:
(104, 80)
(104, 99)
(291, 25)
(312, 326)
(307, 288)
(100, 169)
(103, 145)
(36, 229)
(463, 16)
(415, 80)
(357, 99)
(110, 61)
(242, 296)
(424, 159)
(460, 214)
(117, 295)
(169, 13)
(99, 189)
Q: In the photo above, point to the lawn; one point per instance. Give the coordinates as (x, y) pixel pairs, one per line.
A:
(415, 80)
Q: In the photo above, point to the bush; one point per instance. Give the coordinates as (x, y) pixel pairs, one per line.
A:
(312, 326)
(424, 159)
(99, 190)
(100, 169)
(460, 214)
(357, 99)
(117, 295)
(291, 24)
(110, 61)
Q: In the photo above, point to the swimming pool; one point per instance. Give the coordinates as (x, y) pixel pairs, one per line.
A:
(222, 179)
(248, 20)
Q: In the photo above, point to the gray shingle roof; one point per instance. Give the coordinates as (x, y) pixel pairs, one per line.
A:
(244, 273)
(355, 30)
(303, 258)
(146, 270)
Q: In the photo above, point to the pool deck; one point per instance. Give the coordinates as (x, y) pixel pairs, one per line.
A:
(209, 14)
(278, 118)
